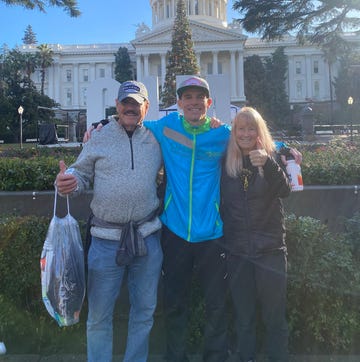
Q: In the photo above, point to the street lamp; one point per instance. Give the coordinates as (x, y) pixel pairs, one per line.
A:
(21, 111)
(350, 103)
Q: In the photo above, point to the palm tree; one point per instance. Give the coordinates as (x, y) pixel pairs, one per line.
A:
(332, 50)
(45, 60)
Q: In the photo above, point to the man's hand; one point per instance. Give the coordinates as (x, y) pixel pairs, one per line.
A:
(215, 123)
(295, 153)
(87, 134)
(65, 183)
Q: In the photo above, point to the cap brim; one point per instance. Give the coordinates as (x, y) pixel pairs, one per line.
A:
(138, 98)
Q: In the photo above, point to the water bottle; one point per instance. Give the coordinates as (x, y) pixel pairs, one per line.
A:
(294, 172)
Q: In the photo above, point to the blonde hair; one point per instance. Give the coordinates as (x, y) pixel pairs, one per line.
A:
(234, 155)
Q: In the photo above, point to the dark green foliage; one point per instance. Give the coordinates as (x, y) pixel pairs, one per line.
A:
(323, 291)
(16, 88)
(69, 6)
(33, 169)
(313, 20)
(265, 87)
(123, 67)
(181, 59)
(323, 288)
(336, 163)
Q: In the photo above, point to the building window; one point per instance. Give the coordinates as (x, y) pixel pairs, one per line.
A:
(68, 97)
(196, 7)
(159, 70)
(102, 73)
(167, 10)
(220, 68)
(85, 75)
(209, 68)
(298, 67)
(316, 89)
(68, 75)
(316, 67)
(299, 89)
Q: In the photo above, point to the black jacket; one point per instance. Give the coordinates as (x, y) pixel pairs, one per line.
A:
(252, 210)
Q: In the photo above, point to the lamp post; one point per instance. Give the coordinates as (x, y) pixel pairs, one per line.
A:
(350, 103)
(21, 111)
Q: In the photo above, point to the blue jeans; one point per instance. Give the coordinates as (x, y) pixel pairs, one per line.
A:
(104, 282)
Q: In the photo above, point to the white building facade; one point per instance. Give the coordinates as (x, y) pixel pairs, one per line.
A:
(220, 50)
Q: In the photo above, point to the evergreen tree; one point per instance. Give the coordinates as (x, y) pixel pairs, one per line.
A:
(277, 104)
(181, 59)
(255, 82)
(123, 67)
(29, 36)
(265, 87)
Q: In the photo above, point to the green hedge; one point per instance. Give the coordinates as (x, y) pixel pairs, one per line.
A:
(335, 163)
(323, 292)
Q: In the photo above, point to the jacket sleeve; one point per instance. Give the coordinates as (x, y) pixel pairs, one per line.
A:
(277, 179)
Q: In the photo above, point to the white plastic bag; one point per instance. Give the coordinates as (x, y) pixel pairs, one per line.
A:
(63, 269)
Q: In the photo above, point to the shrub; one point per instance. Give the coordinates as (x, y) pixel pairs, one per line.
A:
(336, 163)
(323, 288)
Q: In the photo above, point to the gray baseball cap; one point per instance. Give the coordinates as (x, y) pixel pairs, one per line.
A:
(133, 89)
(193, 82)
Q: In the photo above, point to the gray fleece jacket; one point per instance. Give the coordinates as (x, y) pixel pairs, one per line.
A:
(123, 172)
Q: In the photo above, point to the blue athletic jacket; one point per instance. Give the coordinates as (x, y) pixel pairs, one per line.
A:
(192, 158)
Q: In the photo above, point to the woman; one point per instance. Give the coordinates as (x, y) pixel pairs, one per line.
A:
(252, 184)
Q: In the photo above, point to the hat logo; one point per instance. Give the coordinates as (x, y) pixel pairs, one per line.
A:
(130, 88)
(193, 81)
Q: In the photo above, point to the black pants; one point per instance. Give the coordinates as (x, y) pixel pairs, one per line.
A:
(260, 279)
(181, 259)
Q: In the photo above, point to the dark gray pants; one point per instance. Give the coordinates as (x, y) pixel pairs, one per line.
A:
(261, 279)
(181, 260)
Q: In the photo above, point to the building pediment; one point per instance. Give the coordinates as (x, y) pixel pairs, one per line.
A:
(200, 33)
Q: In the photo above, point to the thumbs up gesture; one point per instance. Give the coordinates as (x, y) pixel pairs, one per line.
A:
(258, 156)
(65, 183)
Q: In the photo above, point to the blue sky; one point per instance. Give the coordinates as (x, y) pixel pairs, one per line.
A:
(102, 21)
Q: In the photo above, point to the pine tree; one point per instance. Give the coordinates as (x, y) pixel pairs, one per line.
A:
(29, 36)
(181, 59)
(123, 68)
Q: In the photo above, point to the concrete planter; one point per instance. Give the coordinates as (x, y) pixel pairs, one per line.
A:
(329, 204)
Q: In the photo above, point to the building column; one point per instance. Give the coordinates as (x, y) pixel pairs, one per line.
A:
(146, 65)
(139, 72)
(233, 74)
(240, 77)
(308, 76)
(164, 9)
(76, 86)
(198, 59)
(215, 62)
(290, 80)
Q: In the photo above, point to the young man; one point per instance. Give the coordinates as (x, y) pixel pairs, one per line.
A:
(123, 167)
(192, 153)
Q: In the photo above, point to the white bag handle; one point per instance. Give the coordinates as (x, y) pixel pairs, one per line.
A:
(55, 202)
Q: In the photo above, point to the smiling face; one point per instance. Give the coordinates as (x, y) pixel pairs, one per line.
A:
(246, 135)
(130, 112)
(194, 103)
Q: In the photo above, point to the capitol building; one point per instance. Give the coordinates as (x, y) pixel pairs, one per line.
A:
(220, 48)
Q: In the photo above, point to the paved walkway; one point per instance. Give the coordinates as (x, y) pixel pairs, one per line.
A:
(158, 358)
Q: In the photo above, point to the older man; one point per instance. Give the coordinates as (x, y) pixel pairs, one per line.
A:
(122, 166)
